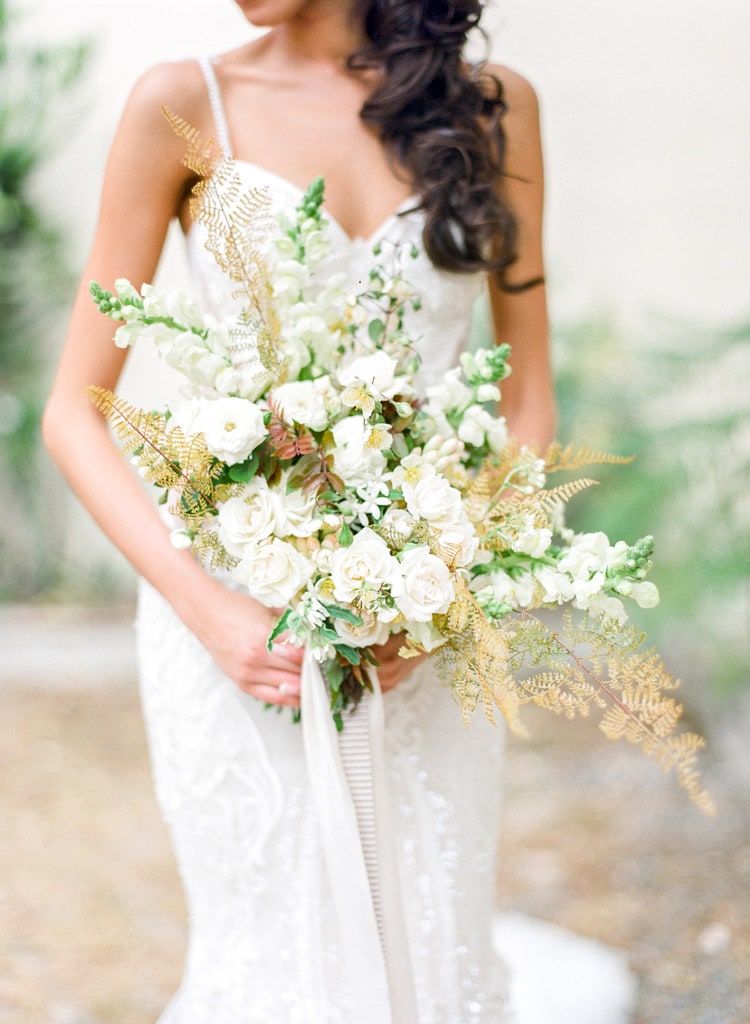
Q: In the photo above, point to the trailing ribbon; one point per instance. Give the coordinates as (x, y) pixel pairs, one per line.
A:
(349, 791)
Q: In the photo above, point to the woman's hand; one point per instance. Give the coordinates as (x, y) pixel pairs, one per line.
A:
(234, 629)
(392, 668)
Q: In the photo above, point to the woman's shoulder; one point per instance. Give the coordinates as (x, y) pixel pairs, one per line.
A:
(520, 95)
(178, 85)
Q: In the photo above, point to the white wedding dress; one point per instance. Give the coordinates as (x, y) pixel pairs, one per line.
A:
(236, 788)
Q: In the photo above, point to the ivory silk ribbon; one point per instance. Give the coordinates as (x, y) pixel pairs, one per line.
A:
(349, 790)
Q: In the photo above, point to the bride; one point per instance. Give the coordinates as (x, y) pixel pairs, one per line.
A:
(415, 146)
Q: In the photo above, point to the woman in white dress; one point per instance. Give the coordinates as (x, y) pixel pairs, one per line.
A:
(414, 146)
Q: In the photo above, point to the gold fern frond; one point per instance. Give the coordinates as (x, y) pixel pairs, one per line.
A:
(169, 459)
(474, 661)
(238, 223)
(573, 456)
(199, 158)
(628, 682)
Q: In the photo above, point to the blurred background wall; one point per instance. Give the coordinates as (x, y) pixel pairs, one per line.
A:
(648, 219)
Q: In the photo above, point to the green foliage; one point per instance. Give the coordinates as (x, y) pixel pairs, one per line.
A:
(32, 81)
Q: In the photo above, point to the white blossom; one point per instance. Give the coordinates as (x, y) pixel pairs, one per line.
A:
(233, 428)
(426, 586)
(273, 572)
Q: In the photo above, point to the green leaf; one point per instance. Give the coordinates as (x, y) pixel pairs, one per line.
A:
(329, 635)
(279, 628)
(350, 654)
(336, 612)
(244, 471)
(345, 536)
(337, 722)
(375, 329)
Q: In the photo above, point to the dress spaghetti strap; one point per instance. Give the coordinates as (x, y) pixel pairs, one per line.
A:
(217, 107)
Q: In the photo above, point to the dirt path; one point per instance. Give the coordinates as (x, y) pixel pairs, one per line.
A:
(92, 920)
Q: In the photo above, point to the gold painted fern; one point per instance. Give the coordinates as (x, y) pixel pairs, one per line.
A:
(238, 221)
(182, 465)
(602, 666)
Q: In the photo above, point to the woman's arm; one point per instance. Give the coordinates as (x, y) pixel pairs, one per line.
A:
(520, 318)
(145, 186)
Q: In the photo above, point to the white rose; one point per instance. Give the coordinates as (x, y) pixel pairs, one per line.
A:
(249, 518)
(233, 428)
(301, 401)
(426, 587)
(369, 633)
(297, 511)
(273, 572)
(353, 458)
(364, 567)
(432, 498)
(458, 543)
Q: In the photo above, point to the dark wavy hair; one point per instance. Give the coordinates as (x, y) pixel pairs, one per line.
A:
(440, 122)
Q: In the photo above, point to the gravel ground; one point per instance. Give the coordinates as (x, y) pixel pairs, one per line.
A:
(91, 915)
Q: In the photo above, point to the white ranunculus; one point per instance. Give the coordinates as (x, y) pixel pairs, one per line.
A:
(369, 633)
(301, 401)
(426, 587)
(363, 568)
(273, 572)
(233, 428)
(353, 459)
(249, 518)
(432, 498)
(398, 523)
(645, 594)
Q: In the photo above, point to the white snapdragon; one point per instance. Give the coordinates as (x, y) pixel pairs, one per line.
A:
(604, 606)
(449, 395)
(251, 517)
(233, 428)
(425, 634)
(645, 594)
(363, 569)
(273, 572)
(426, 587)
(531, 539)
(517, 591)
(586, 555)
(557, 587)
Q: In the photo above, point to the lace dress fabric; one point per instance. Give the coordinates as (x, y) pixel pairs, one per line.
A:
(232, 780)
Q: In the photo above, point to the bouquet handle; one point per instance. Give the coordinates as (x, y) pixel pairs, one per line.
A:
(349, 790)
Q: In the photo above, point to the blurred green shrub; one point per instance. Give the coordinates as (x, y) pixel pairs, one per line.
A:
(34, 281)
(679, 401)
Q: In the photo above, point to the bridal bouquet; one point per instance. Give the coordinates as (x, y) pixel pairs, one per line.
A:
(305, 465)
